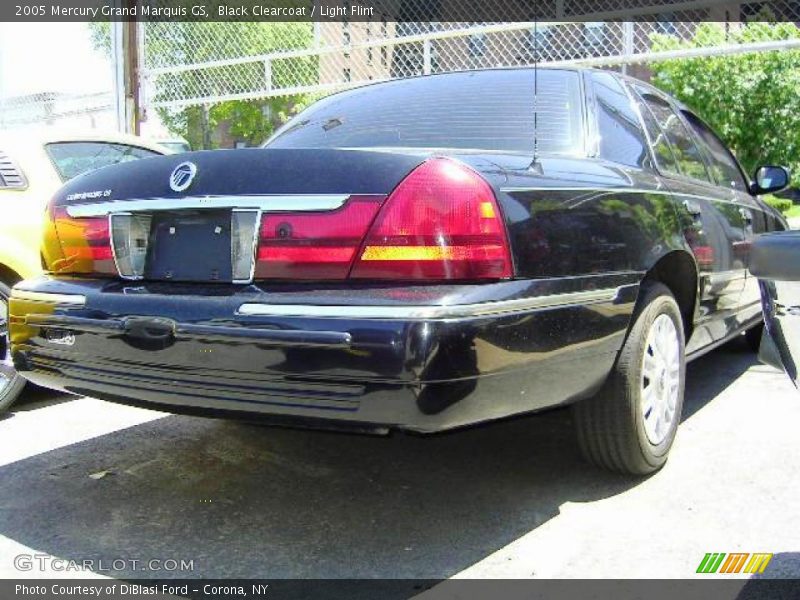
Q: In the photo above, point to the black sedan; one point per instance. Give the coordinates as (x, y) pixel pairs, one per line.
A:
(421, 254)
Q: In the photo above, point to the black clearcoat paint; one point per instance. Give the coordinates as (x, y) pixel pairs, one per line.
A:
(250, 171)
(575, 224)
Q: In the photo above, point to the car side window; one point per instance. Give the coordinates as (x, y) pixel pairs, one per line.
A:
(76, 158)
(723, 165)
(11, 176)
(689, 160)
(659, 144)
(621, 137)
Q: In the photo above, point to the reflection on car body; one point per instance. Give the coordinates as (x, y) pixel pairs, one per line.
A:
(425, 280)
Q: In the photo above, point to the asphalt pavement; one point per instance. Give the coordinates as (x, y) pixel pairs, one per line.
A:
(84, 480)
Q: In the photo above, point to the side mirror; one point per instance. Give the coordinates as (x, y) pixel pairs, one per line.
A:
(770, 179)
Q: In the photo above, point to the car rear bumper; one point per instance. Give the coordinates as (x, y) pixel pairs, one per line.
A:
(416, 358)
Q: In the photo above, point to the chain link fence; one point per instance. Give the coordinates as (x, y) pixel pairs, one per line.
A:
(244, 61)
(205, 71)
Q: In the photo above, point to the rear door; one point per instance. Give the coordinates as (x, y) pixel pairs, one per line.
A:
(712, 223)
(746, 209)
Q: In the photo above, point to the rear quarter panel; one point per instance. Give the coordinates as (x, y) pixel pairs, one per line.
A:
(575, 218)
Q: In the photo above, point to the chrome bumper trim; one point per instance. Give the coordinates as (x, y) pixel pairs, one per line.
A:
(74, 300)
(424, 313)
(265, 203)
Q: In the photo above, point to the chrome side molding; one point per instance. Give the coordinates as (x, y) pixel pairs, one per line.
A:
(424, 313)
(265, 203)
(73, 300)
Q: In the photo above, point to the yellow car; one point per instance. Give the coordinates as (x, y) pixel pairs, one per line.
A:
(33, 165)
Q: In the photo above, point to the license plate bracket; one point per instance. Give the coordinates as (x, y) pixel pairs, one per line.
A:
(190, 246)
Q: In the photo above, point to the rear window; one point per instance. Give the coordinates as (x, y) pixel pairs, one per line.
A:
(484, 110)
(76, 158)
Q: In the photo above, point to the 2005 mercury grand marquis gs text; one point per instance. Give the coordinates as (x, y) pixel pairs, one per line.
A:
(419, 254)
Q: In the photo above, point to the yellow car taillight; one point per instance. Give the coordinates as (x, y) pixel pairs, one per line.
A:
(80, 246)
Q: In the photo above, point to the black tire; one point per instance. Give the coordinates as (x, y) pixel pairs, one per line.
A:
(610, 427)
(753, 337)
(9, 392)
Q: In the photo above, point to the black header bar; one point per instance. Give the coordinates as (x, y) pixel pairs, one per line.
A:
(422, 11)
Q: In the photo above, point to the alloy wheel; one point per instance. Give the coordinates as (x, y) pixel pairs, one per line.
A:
(660, 381)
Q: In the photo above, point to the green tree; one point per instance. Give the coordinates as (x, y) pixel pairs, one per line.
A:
(185, 43)
(751, 100)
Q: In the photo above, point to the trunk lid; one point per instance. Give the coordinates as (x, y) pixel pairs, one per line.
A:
(256, 171)
(213, 216)
(233, 216)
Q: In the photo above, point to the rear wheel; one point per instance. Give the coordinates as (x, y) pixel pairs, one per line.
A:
(630, 425)
(11, 383)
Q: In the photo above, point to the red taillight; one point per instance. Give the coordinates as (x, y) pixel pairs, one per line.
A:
(84, 243)
(316, 245)
(442, 222)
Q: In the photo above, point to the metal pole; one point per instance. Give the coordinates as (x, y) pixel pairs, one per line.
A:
(426, 57)
(118, 65)
(141, 75)
(627, 42)
(125, 55)
(130, 42)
